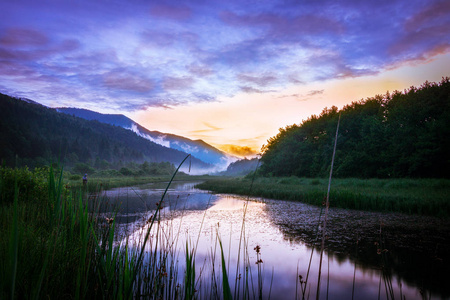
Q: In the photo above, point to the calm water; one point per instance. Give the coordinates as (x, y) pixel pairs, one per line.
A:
(286, 233)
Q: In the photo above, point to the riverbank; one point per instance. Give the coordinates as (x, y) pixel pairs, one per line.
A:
(429, 197)
(97, 183)
(414, 247)
(52, 246)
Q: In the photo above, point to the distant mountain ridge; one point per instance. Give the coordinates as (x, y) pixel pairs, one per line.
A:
(113, 119)
(34, 135)
(198, 148)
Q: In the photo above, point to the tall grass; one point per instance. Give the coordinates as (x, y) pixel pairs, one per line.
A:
(410, 196)
(61, 246)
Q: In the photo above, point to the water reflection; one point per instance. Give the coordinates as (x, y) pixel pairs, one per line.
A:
(415, 248)
(286, 233)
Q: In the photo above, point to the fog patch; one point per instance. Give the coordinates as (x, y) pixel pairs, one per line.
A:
(160, 140)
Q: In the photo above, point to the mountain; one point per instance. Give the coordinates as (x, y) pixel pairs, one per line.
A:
(241, 167)
(197, 148)
(38, 135)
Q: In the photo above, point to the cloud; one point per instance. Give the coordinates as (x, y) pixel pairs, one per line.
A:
(434, 13)
(187, 148)
(289, 96)
(136, 54)
(23, 37)
(126, 81)
(157, 38)
(199, 70)
(158, 140)
(251, 90)
(259, 80)
(162, 38)
(241, 151)
(174, 12)
(301, 97)
(315, 92)
(177, 83)
(209, 128)
(285, 26)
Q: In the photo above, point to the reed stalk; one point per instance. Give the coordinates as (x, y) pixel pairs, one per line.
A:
(327, 204)
(14, 244)
(225, 283)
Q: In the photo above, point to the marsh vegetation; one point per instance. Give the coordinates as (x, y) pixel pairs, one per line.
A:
(145, 241)
(410, 196)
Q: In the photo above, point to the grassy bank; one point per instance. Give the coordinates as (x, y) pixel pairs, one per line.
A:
(52, 247)
(108, 182)
(411, 196)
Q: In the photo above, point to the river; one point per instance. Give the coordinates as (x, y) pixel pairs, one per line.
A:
(367, 255)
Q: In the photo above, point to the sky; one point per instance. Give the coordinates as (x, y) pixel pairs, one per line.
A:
(228, 72)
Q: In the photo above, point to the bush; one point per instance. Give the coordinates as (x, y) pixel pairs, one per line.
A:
(75, 177)
(126, 171)
(32, 185)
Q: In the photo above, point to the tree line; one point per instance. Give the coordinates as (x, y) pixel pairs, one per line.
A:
(34, 135)
(399, 134)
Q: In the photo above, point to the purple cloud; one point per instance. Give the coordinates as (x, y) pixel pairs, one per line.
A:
(23, 37)
(258, 80)
(285, 26)
(438, 12)
(135, 54)
(126, 81)
(180, 83)
(315, 92)
(300, 97)
(425, 34)
(165, 39)
(175, 12)
(251, 90)
(199, 70)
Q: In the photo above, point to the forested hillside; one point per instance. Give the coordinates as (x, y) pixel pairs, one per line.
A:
(241, 167)
(197, 148)
(38, 135)
(403, 134)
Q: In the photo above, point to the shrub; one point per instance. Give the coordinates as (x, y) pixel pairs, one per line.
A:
(75, 177)
(32, 185)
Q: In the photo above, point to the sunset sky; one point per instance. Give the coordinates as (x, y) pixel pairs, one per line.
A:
(228, 72)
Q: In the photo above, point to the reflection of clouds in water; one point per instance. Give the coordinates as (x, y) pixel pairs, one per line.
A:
(224, 216)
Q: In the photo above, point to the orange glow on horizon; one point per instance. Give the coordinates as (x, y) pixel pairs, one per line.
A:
(249, 120)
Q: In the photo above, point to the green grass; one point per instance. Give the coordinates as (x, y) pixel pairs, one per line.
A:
(411, 196)
(52, 247)
(96, 182)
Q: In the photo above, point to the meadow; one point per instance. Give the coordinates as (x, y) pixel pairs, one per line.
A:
(411, 196)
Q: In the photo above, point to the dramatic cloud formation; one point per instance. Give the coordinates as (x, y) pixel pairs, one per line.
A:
(157, 53)
(130, 56)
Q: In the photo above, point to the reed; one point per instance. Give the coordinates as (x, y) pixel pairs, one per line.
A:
(226, 285)
(62, 246)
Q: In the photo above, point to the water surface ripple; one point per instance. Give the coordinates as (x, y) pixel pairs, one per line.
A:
(362, 248)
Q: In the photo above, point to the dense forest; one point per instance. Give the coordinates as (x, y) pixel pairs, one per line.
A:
(197, 148)
(35, 135)
(240, 167)
(400, 134)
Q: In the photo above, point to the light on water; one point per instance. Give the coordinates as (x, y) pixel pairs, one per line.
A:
(199, 218)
